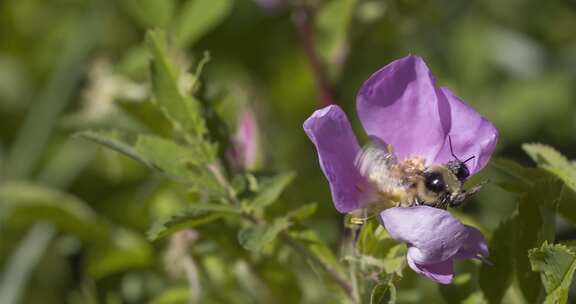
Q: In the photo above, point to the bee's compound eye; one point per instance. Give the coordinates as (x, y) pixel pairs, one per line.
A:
(462, 173)
(435, 182)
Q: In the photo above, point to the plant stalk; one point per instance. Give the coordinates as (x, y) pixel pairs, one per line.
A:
(303, 21)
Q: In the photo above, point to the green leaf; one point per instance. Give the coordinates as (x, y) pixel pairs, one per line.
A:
(117, 141)
(181, 163)
(496, 278)
(303, 212)
(28, 203)
(214, 207)
(535, 225)
(393, 263)
(475, 298)
(463, 285)
(184, 112)
(187, 165)
(567, 204)
(375, 240)
(194, 215)
(198, 17)
(519, 179)
(383, 293)
(556, 264)
(126, 251)
(256, 238)
(513, 176)
(321, 259)
(553, 161)
(173, 295)
(270, 190)
(318, 248)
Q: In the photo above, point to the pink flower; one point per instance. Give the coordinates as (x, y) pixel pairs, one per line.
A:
(401, 105)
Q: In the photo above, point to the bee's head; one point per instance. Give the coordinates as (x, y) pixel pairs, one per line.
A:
(458, 167)
(437, 183)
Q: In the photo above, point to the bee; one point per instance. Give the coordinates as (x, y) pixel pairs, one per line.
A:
(410, 182)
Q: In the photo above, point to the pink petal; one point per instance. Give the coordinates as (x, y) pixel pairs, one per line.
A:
(474, 246)
(433, 234)
(337, 147)
(401, 105)
(442, 272)
(471, 134)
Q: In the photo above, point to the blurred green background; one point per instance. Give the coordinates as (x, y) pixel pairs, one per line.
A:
(71, 65)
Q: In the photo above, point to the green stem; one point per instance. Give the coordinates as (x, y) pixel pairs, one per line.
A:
(304, 23)
(350, 249)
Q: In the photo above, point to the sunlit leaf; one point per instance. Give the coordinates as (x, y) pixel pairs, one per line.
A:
(553, 161)
(184, 112)
(475, 298)
(556, 264)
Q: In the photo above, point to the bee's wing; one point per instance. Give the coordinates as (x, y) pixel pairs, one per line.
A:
(376, 162)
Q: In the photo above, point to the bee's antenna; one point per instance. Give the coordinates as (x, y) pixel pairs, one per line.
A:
(454, 155)
(452, 150)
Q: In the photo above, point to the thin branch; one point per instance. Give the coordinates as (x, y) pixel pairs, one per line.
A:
(303, 21)
(341, 281)
(303, 250)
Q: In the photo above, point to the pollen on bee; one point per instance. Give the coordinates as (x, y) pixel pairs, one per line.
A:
(411, 165)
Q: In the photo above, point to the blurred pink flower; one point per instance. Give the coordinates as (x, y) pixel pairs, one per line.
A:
(245, 148)
(271, 5)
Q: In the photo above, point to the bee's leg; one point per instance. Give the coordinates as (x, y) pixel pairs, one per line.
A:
(461, 198)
